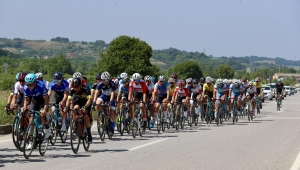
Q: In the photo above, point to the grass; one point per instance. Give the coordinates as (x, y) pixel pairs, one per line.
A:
(4, 118)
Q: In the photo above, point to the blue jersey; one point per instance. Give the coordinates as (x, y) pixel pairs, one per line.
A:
(236, 90)
(220, 89)
(106, 89)
(123, 89)
(162, 89)
(64, 86)
(38, 91)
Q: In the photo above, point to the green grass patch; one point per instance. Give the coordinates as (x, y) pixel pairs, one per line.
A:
(4, 118)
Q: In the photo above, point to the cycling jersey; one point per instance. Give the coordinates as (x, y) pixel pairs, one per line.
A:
(162, 89)
(220, 90)
(80, 97)
(251, 91)
(124, 89)
(59, 90)
(171, 90)
(209, 89)
(150, 87)
(106, 89)
(18, 88)
(258, 86)
(279, 88)
(235, 90)
(36, 94)
(181, 93)
(140, 88)
(195, 91)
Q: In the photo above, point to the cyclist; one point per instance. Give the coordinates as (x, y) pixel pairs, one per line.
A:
(160, 96)
(39, 76)
(175, 77)
(78, 75)
(170, 91)
(208, 90)
(195, 90)
(86, 80)
(18, 98)
(219, 95)
(80, 97)
(138, 92)
(123, 92)
(279, 90)
(250, 95)
(188, 83)
(150, 89)
(11, 95)
(258, 86)
(60, 88)
(202, 81)
(107, 87)
(181, 95)
(235, 90)
(39, 100)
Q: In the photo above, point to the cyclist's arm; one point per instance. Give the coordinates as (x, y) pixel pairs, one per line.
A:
(26, 102)
(119, 95)
(96, 95)
(89, 101)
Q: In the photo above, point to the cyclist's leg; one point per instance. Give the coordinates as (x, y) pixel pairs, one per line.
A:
(253, 105)
(100, 100)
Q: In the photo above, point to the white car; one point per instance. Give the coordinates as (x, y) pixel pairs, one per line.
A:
(287, 90)
(268, 93)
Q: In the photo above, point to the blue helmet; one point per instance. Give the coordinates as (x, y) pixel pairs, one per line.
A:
(30, 78)
(57, 76)
(152, 78)
(17, 76)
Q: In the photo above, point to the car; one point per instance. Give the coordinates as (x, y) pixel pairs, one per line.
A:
(293, 91)
(288, 90)
(268, 93)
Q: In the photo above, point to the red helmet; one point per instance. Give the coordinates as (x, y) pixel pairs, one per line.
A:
(181, 84)
(22, 76)
(174, 76)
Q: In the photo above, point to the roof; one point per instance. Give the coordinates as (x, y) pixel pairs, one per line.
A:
(287, 74)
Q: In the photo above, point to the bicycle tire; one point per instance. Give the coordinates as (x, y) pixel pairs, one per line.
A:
(15, 130)
(74, 136)
(43, 145)
(86, 144)
(148, 119)
(121, 123)
(100, 128)
(20, 139)
(134, 129)
(158, 120)
(53, 130)
(28, 139)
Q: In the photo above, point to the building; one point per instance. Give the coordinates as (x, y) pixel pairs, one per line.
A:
(286, 75)
(69, 55)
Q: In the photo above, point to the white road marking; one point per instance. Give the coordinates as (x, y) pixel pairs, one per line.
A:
(296, 164)
(147, 144)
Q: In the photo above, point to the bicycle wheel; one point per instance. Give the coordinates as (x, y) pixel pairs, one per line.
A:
(108, 130)
(158, 120)
(53, 130)
(20, 133)
(15, 129)
(176, 122)
(141, 129)
(86, 144)
(278, 107)
(258, 107)
(29, 140)
(134, 128)
(248, 112)
(74, 136)
(148, 119)
(121, 123)
(191, 118)
(100, 127)
(43, 143)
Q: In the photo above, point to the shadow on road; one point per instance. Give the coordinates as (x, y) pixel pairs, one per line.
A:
(109, 150)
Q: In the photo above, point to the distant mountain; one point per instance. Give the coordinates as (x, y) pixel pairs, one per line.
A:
(165, 58)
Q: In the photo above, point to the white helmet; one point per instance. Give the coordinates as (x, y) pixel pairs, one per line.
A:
(162, 78)
(171, 80)
(136, 76)
(105, 76)
(208, 80)
(234, 81)
(39, 75)
(116, 81)
(250, 83)
(147, 78)
(77, 75)
(225, 81)
(123, 75)
(230, 81)
(219, 81)
(69, 80)
(189, 80)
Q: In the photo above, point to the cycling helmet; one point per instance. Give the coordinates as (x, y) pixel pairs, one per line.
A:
(162, 78)
(219, 81)
(171, 80)
(278, 80)
(69, 80)
(153, 79)
(181, 84)
(105, 76)
(30, 78)
(98, 76)
(256, 79)
(225, 81)
(116, 81)
(195, 81)
(57, 76)
(136, 76)
(230, 81)
(147, 78)
(118, 77)
(250, 83)
(174, 76)
(21, 76)
(235, 81)
(39, 75)
(208, 80)
(202, 80)
(189, 80)
(126, 80)
(76, 81)
(77, 74)
(123, 75)
(17, 75)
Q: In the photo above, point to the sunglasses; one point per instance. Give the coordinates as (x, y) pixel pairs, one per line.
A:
(57, 81)
(30, 84)
(137, 81)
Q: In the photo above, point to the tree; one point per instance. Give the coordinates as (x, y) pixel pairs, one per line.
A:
(188, 69)
(127, 54)
(59, 64)
(224, 71)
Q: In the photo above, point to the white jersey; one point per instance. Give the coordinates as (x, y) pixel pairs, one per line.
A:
(251, 91)
(195, 91)
(150, 87)
(46, 84)
(18, 88)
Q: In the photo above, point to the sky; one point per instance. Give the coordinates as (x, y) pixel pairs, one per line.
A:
(267, 28)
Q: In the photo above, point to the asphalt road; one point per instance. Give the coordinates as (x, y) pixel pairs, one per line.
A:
(271, 141)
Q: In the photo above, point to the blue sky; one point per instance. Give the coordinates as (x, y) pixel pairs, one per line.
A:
(269, 28)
